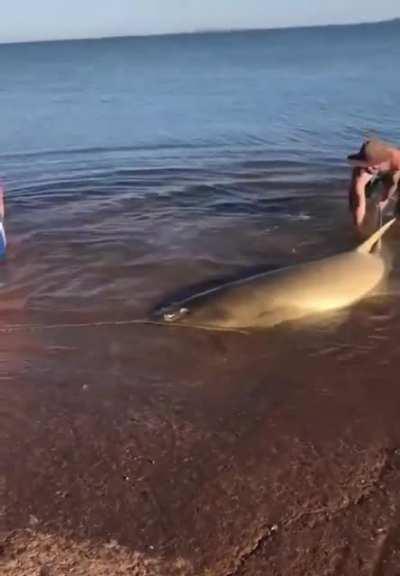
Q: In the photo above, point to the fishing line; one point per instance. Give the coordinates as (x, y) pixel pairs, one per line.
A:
(111, 323)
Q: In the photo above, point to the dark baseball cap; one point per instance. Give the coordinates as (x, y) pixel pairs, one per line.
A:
(372, 152)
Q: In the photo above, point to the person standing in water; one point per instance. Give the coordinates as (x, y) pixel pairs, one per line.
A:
(376, 167)
(3, 239)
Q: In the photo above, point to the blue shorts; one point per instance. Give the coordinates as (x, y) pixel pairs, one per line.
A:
(3, 241)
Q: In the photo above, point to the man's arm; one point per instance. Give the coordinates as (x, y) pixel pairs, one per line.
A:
(1, 202)
(359, 181)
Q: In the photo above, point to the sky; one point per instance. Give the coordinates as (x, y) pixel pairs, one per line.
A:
(22, 20)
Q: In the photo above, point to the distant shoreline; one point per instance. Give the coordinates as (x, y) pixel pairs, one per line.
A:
(200, 32)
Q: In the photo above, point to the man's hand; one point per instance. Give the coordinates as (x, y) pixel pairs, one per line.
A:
(382, 204)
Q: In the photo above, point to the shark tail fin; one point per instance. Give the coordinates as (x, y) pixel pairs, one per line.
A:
(368, 245)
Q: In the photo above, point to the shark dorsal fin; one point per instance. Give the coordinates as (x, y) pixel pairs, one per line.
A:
(367, 246)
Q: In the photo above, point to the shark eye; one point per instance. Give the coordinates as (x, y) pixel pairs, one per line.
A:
(169, 316)
(172, 316)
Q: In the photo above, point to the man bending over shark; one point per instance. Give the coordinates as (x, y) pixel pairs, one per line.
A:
(377, 163)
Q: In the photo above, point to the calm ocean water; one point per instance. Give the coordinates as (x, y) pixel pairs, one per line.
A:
(195, 100)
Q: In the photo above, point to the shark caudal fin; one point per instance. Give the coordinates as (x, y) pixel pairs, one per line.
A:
(367, 246)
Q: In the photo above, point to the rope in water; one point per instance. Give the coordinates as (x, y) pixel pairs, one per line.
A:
(103, 323)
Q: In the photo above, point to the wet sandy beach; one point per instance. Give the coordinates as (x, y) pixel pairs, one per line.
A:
(140, 449)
